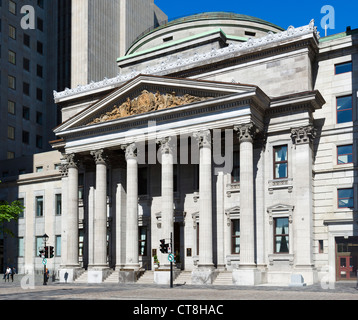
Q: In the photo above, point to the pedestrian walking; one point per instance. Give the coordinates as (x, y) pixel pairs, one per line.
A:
(13, 271)
(7, 274)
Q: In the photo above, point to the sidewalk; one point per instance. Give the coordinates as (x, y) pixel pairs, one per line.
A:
(134, 292)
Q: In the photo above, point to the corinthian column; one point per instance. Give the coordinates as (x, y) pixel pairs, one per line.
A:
(132, 250)
(247, 274)
(100, 211)
(72, 212)
(167, 192)
(246, 135)
(70, 264)
(204, 274)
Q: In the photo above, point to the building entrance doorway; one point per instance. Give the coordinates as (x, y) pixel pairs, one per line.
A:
(346, 258)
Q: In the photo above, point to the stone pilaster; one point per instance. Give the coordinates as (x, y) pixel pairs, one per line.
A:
(302, 162)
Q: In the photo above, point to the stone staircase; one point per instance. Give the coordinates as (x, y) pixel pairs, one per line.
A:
(146, 278)
(83, 278)
(183, 278)
(113, 277)
(224, 278)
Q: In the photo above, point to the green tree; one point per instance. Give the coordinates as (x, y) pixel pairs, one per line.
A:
(9, 212)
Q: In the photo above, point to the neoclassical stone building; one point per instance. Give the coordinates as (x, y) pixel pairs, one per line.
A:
(226, 132)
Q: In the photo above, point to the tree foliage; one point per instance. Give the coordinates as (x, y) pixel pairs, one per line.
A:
(10, 212)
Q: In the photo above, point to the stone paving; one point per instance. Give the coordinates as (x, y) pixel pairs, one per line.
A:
(135, 292)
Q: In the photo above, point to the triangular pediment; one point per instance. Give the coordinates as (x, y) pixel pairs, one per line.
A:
(150, 95)
(280, 208)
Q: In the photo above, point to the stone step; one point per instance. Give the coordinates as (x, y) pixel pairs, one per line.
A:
(146, 278)
(113, 277)
(83, 278)
(183, 278)
(223, 278)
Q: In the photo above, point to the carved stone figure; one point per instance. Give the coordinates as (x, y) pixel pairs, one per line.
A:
(147, 102)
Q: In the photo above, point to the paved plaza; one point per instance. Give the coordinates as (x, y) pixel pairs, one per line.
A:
(136, 292)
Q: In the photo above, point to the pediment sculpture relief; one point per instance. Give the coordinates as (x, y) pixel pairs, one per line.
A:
(147, 102)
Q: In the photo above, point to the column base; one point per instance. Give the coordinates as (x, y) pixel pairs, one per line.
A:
(246, 277)
(203, 275)
(69, 274)
(97, 274)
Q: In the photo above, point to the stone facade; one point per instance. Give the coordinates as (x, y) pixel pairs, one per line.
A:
(243, 175)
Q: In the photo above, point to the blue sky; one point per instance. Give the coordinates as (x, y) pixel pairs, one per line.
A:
(282, 13)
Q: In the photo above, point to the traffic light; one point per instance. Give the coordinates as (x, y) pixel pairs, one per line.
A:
(52, 252)
(41, 253)
(46, 252)
(163, 246)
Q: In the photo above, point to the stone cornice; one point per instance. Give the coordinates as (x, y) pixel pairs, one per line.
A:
(182, 61)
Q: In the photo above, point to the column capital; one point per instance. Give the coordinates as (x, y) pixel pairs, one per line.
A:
(71, 161)
(204, 138)
(246, 132)
(165, 145)
(64, 170)
(130, 150)
(303, 135)
(100, 156)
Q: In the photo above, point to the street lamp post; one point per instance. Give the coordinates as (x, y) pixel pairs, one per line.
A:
(45, 237)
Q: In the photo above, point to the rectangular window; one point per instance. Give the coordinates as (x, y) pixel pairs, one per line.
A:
(11, 132)
(345, 198)
(344, 109)
(39, 206)
(58, 204)
(12, 7)
(12, 32)
(345, 154)
(12, 57)
(320, 246)
(58, 246)
(343, 67)
(142, 241)
(281, 237)
(235, 236)
(235, 176)
(11, 82)
(11, 107)
(10, 155)
(21, 248)
(280, 162)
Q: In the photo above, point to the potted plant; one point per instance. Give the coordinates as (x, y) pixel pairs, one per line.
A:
(156, 262)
